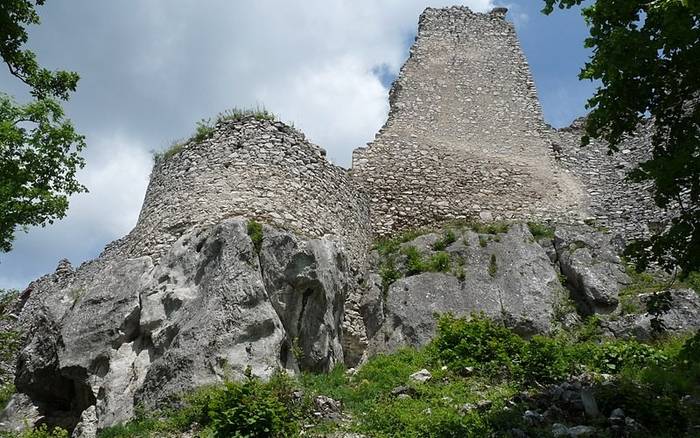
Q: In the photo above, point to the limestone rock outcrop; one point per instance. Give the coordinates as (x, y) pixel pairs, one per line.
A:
(592, 267)
(117, 334)
(531, 285)
(506, 276)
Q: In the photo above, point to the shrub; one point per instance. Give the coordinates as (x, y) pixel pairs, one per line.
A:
(642, 282)
(477, 342)
(542, 360)
(490, 228)
(693, 281)
(493, 266)
(540, 231)
(175, 148)
(612, 357)
(6, 392)
(43, 431)
(447, 239)
(439, 262)
(659, 412)
(251, 409)
(255, 232)
(690, 352)
(390, 245)
(414, 261)
(204, 130)
(460, 273)
(389, 274)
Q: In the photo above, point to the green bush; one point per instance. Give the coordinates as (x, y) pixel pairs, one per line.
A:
(612, 357)
(540, 231)
(662, 413)
(543, 360)
(389, 273)
(255, 232)
(447, 239)
(409, 418)
(6, 392)
(416, 264)
(414, 261)
(439, 262)
(43, 431)
(693, 281)
(204, 130)
(250, 409)
(391, 245)
(490, 228)
(175, 148)
(478, 342)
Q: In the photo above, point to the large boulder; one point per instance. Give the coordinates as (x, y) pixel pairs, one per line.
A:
(593, 270)
(683, 316)
(115, 334)
(508, 277)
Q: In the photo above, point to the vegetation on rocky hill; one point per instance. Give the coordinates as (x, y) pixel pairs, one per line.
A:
(205, 128)
(477, 378)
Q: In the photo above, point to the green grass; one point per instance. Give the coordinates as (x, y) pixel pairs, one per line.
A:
(693, 281)
(391, 245)
(447, 239)
(490, 228)
(255, 232)
(417, 264)
(389, 273)
(540, 231)
(238, 114)
(649, 382)
(449, 232)
(204, 128)
(642, 282)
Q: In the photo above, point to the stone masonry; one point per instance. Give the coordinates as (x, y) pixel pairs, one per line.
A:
(254, 168)
(465, 135)
(625, 207)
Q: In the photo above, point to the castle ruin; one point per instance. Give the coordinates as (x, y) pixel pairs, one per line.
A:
(465, 135)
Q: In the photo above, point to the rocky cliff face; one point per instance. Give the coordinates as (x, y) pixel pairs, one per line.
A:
(111, 335)
(533, 285)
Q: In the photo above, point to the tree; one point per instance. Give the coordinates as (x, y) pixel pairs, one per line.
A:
(39, 148)
(646, 55)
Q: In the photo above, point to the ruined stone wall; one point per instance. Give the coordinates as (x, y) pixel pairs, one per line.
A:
(465, 135)
(613, 202)
(253, 168)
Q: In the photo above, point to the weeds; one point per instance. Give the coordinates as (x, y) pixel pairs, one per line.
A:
(493, 266)
(255, 232)
(540, 231)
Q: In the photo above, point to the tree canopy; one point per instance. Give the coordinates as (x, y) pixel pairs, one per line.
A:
(39, 147)
(646, 55)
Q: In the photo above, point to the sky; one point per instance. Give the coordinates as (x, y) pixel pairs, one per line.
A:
(150, 70)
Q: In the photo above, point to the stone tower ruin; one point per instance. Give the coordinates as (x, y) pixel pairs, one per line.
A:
(465, 135)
